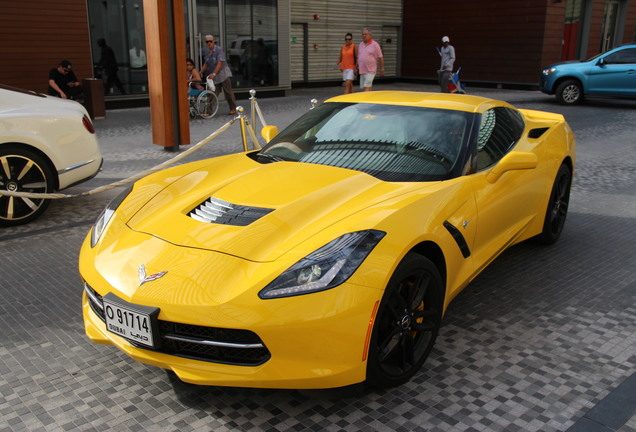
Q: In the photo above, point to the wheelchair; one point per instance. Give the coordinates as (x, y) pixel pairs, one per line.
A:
(202, 103)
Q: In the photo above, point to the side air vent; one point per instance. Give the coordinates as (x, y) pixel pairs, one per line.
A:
(459, 238)
(536, 133)
(217, 211)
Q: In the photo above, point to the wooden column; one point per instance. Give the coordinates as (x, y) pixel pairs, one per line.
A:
(166, 54)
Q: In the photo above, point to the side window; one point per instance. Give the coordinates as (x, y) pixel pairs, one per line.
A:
(626, 56)
(613, 58)
(629, 56)
(500, 129)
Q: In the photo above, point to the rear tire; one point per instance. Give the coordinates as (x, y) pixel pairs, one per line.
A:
(23, 170)
(407, 322)
(207, 104)
(569, 92)
(557, 207)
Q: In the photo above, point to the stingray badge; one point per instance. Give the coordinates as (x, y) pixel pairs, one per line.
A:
(143, 278)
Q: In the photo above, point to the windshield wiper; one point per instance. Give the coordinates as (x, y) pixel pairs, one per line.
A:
(357, 141)
(418, 146)
(270, 157)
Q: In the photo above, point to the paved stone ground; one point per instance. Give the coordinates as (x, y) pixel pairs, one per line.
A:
(535, 343)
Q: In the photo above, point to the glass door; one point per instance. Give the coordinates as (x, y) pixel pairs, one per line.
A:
(201, 18)
(609, 25)
(251, 45)
(248, 34)
(119, 24)
(571, 29)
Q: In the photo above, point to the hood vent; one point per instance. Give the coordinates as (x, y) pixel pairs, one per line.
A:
(217, 211)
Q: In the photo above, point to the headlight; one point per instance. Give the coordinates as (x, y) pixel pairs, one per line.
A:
(107, 213)
(548, 71)
(325, 268)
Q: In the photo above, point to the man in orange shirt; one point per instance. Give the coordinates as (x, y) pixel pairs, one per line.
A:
(347, 62)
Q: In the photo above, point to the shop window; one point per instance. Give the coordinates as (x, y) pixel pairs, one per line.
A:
(251, 43)
(121, 24)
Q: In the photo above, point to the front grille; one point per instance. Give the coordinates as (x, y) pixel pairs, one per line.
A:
(213, 344)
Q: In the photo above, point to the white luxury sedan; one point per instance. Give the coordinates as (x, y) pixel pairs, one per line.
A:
(46, 144)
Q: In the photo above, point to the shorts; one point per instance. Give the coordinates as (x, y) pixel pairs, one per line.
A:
(347, 74)
(366, 80)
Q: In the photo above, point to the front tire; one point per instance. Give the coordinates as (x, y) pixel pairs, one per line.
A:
(407, 322)
(557, 207)
(22, 170)
(569, 92)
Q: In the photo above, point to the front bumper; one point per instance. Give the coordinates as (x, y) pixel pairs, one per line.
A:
(546, 84)
(311, 341)
(323, 353)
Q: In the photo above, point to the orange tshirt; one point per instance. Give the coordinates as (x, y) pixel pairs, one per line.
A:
(348, 61)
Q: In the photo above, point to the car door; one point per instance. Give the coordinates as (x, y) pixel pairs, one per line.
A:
(614, 74)
(506, 200)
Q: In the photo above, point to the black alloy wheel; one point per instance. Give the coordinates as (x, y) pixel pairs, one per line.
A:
(557, 206)
(22, 170)
(407, 322)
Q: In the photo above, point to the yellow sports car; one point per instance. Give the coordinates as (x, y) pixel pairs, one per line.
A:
(329, 257)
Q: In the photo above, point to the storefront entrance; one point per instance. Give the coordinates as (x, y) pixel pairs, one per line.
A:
(579, 37)
(248, 33)
(247, 30)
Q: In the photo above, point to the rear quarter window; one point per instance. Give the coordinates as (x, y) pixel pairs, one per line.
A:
(500, 130)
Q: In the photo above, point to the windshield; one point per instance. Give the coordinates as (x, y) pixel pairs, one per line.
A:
(390, 142)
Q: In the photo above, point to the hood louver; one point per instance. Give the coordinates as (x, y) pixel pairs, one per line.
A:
(217, 211)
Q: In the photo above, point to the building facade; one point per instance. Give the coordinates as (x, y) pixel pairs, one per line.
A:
(274, 44)
(509, 42)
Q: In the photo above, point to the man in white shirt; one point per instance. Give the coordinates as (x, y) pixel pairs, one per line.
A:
(137, 56)
(446, 69)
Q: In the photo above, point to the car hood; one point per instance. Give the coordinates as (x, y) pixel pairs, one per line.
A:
(282, 204)
(566, 63)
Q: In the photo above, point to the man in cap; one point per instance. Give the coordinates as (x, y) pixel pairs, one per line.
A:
(447, 52)
(63, 83)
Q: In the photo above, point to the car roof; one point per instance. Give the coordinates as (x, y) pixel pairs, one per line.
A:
(457, 102)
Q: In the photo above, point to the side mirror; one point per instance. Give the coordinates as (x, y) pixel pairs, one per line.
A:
(269, 132)
(600, 62)
(512, 161)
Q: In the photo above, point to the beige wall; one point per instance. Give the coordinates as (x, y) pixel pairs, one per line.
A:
(325, 35)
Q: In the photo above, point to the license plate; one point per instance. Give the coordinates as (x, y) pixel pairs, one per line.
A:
(136, 323)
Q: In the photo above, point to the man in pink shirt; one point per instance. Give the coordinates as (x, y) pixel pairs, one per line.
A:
(369, 52)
